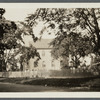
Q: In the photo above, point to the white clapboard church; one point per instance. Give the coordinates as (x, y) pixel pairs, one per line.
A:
(47, 62)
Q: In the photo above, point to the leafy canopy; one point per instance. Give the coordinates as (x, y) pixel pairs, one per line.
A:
(12, 46)
(76, 30)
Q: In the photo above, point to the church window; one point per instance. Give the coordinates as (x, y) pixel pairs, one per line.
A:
(35, 64)
(61, 63)
(43, 64)
(43, 53)
(52, 63)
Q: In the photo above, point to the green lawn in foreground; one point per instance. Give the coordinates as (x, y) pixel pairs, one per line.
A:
(92, 82)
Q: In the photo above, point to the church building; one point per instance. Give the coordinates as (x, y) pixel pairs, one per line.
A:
(47, 62)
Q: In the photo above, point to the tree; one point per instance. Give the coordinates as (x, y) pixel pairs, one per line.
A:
(12, 47)
(72, 45)
(73, 35)
(88, 19)
(22, 53)
(5, 28)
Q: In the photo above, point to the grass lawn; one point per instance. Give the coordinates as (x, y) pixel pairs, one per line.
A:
(91, 82)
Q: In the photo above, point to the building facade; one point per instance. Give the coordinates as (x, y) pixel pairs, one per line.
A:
(47, 62)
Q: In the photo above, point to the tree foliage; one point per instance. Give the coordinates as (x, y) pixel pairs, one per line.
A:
(77, 30)
(89, 19)
(73, 45)
(12, 46)
(5, 28)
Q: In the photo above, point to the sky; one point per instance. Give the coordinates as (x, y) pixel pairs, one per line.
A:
(19, 13)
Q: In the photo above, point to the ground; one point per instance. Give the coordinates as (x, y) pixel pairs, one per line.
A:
(12, 87)
(49, 85)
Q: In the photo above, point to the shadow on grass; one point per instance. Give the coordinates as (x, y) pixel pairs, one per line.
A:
(91, 82)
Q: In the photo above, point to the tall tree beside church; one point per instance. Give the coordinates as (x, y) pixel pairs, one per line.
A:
(12, 43)
(88, 19)
(72, 45)
(6, 27)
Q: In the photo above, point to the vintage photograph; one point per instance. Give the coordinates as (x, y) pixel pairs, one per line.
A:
(52, 49)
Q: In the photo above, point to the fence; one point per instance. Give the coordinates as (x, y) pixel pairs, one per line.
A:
(47, 74)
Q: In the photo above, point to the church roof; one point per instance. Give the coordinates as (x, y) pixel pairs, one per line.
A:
(42, 44)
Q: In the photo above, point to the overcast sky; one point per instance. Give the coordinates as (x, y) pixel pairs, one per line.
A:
(17, 12)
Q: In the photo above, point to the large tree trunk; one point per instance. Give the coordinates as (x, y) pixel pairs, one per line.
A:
(2, 63)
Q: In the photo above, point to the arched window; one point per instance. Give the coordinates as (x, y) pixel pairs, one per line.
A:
(53, 63)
